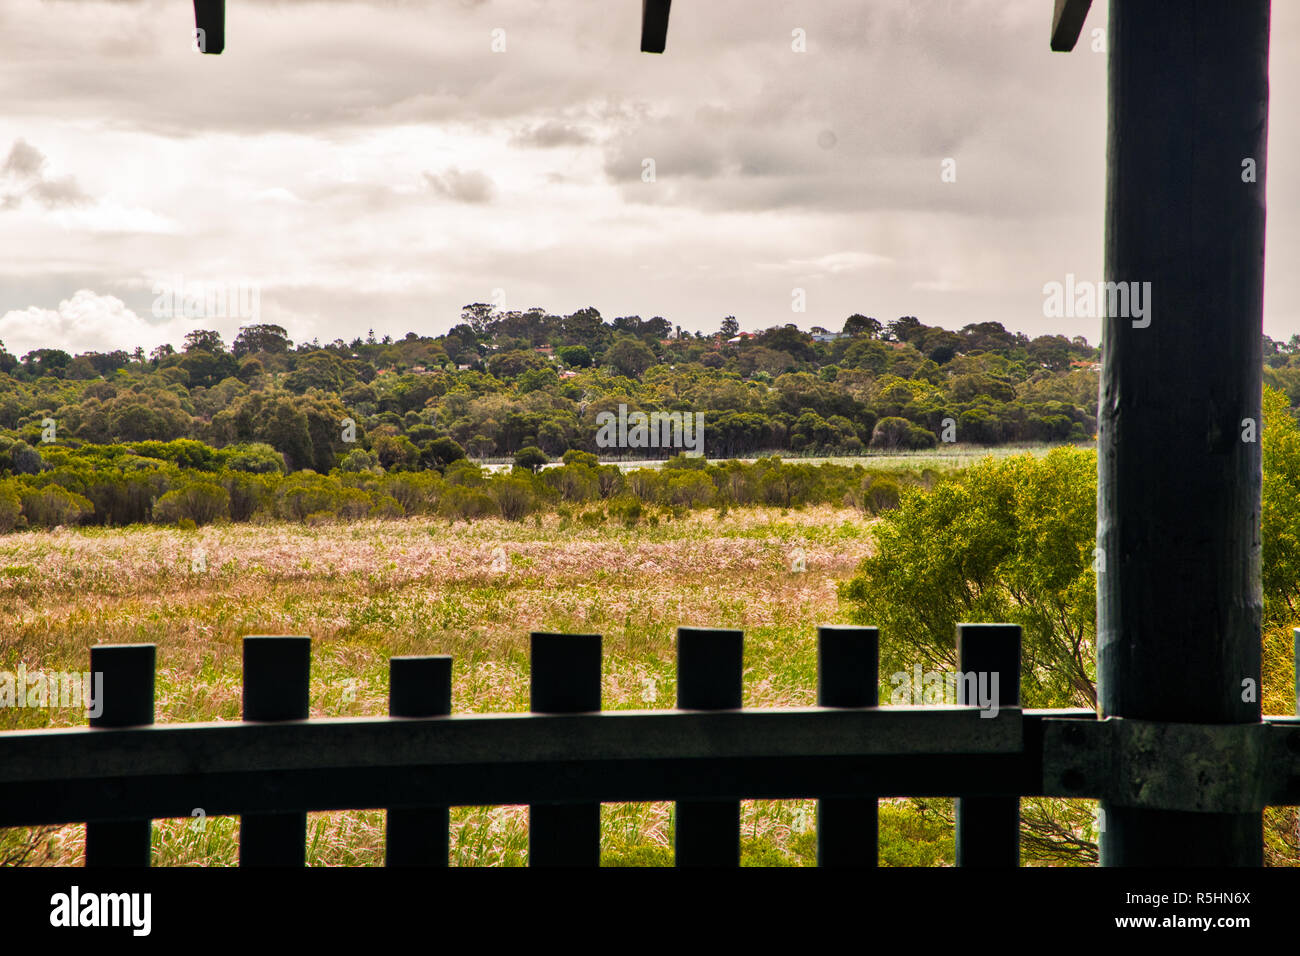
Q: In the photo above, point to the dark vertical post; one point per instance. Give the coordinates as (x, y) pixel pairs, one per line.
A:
(1179, 469)
(123, 699)
(848, 676)
(565, 679)
(654, 25)
(988, 828)
(710, 676)
(418, 687)
(210, 17)
(277, 674)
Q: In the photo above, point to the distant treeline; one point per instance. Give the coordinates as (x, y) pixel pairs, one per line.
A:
(189, 484)
(499, 382)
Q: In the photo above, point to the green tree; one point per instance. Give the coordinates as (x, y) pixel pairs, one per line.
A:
(1004, 541)
(630, 356)
(204, 340)
(530, 458)
(575, 356)
(260, 338)
(441, 452)
(858, 324)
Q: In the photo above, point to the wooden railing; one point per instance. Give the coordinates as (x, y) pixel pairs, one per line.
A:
(565, 756)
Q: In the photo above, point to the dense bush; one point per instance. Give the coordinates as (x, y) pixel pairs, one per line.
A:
(466, 503)
(120, 484)
(53, 505)
(11, 507)
(201, 502)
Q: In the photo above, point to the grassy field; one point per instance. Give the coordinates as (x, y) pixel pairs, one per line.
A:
(369, 590)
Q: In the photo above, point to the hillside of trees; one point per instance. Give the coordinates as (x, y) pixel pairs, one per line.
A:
(501, 382)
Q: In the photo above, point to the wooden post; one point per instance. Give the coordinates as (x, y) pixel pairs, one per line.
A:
(710, 676)
(564, 679)
(1178, 585)
(210, 17)
(654, 25)
(988, 828)
(418, 687)
(1067, 21)
(848, 660)
(277, 674)
(127, 700)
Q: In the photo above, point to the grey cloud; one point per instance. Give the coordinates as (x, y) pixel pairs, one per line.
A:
(59, 192)
(469, 186)
(25, 165)
(24, 161)
(551, 134)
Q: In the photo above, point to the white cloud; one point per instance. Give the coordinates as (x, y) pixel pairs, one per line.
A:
(86, 322)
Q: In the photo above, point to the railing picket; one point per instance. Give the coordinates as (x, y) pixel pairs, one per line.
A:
(564, 679)
(988, 828)
(710, 676)
(848, 676)
(418, 687)
(277, 676)
(126, 699)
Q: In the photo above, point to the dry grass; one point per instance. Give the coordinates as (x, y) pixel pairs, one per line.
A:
(369, 590)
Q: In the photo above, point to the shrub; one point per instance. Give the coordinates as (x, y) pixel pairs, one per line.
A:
(464, 472)
(531, 458)
(466, 503)
(257, 458)
(879, 494)
(610, 479)
(24, 459)
(200, 501)
(385, 506)
(248, 493)
(417, 492)
(514, 497)
(301, 495)
(573, 482)
(688, 489)
(575, 456)
(53, 505)
(626, 509)
(11, 508)
(183, 452)
(891, 433)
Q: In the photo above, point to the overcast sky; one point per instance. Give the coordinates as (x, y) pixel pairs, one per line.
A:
(379, 165)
